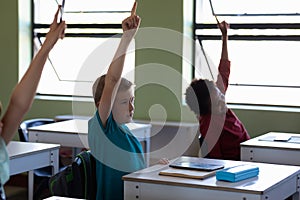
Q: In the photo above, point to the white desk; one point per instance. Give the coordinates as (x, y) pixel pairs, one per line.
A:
(264, 149)
(275, 182)
(74, 133)
(27, 156)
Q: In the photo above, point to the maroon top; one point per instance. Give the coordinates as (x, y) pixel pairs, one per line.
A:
(223, 136)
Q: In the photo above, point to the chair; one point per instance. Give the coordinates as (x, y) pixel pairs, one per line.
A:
(42, 175)
(23, 132)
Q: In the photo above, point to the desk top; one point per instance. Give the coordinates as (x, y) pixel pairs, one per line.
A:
(78, 126)
(17, 149)
(267, 141)
(269, 176)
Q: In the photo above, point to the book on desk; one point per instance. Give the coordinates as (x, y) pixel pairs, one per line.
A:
(186, 173)
(199, 170)
(281, 138)
(191, 169)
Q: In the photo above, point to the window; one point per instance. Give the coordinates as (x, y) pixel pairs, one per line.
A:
(264, 39)
(92, 36)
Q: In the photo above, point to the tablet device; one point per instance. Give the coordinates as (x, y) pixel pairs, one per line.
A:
(196, 166)
(282, 138)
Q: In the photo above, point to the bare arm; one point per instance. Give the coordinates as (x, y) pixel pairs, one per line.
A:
(224, 67)
(130, 26)
(24, 92)
(224, 27)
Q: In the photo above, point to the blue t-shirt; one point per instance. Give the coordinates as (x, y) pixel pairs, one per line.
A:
(117, 153)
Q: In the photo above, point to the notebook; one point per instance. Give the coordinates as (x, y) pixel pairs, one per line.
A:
(185, 173)
(196, 166)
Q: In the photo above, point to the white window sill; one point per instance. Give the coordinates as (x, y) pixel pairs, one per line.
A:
(63, 98)
(264, 108)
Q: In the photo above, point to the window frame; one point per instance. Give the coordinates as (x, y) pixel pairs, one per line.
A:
(102, 30)
(246, 37)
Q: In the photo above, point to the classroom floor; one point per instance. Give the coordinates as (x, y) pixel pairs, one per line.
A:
(16, 193)
(19, 193)
(16, 187)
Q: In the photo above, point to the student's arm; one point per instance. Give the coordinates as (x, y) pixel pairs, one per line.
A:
(224, 66)
(223, 27)
(130, 26)
(24, 92)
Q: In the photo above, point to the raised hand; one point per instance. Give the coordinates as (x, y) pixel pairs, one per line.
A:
(223, 26)
(57, 30)
(131, 24)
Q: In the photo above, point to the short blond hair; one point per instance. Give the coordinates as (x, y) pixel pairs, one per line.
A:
(99, 85)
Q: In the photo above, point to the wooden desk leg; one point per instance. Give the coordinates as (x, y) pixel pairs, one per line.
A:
(30, 185)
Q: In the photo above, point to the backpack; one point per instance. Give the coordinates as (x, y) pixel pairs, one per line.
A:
(77, 180)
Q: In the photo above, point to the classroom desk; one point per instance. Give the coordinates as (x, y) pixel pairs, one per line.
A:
(74, 133)
(264, 149)
(273, 182)
(27, 156)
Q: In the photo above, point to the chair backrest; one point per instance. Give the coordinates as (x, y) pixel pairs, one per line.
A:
(23, 132)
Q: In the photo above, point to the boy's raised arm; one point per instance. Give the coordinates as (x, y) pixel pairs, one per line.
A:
(130, 26)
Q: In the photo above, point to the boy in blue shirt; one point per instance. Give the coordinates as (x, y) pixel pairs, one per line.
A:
(116, 150)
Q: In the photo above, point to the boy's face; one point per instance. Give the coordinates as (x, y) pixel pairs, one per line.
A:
(123, 107)
(218, 101)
